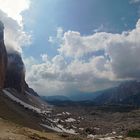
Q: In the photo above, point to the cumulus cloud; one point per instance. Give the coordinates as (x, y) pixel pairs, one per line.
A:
(58, 38)
(134, 1)
(71, 70)
(10, 14)
(76, 67)
(76, 45)
(13, 8)
(58, 77)
(123, 51)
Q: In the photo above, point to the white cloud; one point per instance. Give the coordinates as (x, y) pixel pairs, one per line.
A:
(44, 57)
(58, 77)
(15, 37)
(58, 38)
(134, 1)
(10, 15)
(75, 45)
(99, 29)
(71, 70)
(123, 51)
(13, 8)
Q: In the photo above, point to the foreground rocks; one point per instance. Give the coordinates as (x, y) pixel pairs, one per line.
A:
(98, 120)
(11, 131)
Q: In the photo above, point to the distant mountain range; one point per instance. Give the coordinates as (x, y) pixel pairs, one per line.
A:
(76, 97)
(127, 93)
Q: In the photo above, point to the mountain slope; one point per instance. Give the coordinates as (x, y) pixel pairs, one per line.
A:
(16, 112)
(17, 132)
(127, 93)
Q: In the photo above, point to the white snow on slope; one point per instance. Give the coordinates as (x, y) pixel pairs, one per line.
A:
(91, 136)
(107, 138)
(70, 120)
(102, 137)
(59, 128)
(38, 110)
(56, 129)
(70, 131)
(67, 113)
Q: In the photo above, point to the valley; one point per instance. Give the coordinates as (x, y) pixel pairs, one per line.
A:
(88, 123)
(108, 121)
(81, 95)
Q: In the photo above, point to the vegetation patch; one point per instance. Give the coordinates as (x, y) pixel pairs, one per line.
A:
(134, 133)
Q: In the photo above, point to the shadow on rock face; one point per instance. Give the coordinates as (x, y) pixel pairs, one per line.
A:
(3, 57)
(15, 75)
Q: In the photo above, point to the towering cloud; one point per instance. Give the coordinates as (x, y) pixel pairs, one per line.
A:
(88, 63)
(14, 8)
(10, 14)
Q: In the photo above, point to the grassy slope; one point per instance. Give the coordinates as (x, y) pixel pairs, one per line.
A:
(134, 133)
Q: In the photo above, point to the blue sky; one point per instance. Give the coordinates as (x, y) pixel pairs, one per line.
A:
(45, 16)
(74, 46)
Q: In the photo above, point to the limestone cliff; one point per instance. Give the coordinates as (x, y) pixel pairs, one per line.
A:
(12, 70)
(15, 74)
(3, 57)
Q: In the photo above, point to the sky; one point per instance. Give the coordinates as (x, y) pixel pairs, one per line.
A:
(74, 46)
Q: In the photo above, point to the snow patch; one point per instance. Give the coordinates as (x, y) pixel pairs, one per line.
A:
(91, 136)
(12, 97)
(67, 113)
(70, 120)
(59, 128)
(107, 138)
(59, 114)
(56, 129)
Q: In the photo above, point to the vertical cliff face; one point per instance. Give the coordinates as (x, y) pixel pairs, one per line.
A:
(3, 57)
(15, 75)
(12, 70)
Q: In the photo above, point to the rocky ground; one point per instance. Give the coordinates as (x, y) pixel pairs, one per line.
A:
(12, 131)
(91, 121)
(65, 122)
